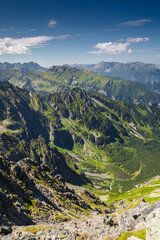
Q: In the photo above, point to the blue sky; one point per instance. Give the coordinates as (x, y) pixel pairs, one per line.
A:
(54, 32)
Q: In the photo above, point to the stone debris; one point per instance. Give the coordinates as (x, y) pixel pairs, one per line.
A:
(96, 226)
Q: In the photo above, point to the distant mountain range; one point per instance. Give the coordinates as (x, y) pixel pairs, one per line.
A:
(22, 67)
(148, 74)
(59, 78)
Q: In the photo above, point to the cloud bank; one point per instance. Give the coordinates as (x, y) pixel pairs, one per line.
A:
(21, 45)
(113, 48)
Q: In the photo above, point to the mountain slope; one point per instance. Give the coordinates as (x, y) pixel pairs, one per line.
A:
(134, 71)
(59, 78)
(111, 137)
(33, 175)
(148, 74)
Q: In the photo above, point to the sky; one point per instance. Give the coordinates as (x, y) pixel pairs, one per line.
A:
(55, 32)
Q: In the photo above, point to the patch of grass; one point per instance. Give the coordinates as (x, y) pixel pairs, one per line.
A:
(140, 234)
(34, 229)
(61, 217)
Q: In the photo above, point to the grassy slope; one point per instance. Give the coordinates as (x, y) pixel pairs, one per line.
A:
(121, 163)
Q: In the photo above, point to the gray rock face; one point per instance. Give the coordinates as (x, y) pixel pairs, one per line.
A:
(134, 216)
(153, 225)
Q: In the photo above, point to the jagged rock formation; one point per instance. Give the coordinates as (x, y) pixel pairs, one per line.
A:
(31, 189)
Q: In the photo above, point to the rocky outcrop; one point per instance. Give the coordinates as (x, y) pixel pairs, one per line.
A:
(132, 217)
(153, 225)
(32, 184)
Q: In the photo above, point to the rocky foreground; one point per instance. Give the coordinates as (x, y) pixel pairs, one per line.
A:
(143, 218)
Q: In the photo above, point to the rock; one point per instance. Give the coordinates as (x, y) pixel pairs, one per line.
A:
(134, 216)
(153, 225)
(156, 205)
(6, 230)
(133, 238)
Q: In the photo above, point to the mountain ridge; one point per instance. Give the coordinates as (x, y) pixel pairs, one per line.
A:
(147, 74)
(22, 67)
(59, 78)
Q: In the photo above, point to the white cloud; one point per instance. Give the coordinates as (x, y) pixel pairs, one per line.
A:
(138, 22)
(117, 47)
(112, 47)
(24, 45)
(21, 45)
(137, 40)
(52, 23)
